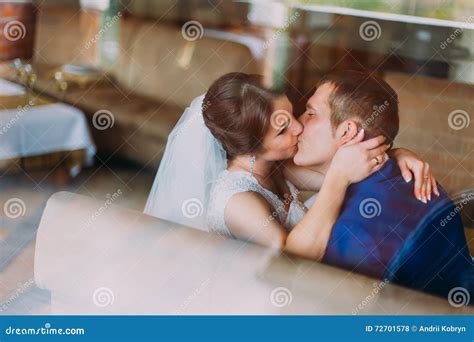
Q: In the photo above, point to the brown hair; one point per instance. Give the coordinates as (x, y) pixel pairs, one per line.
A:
(237, 110)
(364, 97)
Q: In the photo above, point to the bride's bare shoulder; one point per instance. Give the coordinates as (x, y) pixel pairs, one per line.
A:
(248, 215)
(247, 200)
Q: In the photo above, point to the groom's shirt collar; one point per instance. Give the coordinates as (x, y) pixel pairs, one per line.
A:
(390, 172)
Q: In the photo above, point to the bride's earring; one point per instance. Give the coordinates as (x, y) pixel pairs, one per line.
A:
(252, 164)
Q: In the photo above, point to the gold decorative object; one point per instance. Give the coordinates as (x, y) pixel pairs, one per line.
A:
(61, 83)
(19, 70)
(30, 79)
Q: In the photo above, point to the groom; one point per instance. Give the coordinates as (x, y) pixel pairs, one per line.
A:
(382, 231)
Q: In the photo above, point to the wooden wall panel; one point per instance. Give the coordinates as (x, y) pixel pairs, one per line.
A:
(17, 30)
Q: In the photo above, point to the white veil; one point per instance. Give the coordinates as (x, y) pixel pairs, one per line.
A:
(192, 161)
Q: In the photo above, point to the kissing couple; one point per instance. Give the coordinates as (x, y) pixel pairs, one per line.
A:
(238, 159)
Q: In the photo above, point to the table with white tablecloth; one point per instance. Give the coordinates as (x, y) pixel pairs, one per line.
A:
(40, 128)
(8, 88)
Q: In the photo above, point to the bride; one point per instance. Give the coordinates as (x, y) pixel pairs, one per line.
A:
(228, 164)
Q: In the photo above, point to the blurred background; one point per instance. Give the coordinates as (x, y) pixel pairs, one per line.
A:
(90, 90)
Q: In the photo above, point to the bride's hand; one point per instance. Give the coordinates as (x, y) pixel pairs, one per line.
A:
(357, 159)
(411, 165)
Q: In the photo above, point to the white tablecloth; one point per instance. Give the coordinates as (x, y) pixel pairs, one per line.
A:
(31, 131)
(8, 88)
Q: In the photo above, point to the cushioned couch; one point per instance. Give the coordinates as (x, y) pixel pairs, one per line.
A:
(99, 258)
(426, 127)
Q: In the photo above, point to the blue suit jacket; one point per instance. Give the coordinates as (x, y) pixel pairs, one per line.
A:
(385, 232)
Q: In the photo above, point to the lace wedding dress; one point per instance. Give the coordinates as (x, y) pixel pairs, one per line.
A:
(230, 183)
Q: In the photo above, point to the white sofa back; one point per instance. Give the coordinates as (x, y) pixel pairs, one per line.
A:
(97, 258)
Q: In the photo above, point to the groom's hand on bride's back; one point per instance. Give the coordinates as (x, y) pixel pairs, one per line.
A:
(357, 159)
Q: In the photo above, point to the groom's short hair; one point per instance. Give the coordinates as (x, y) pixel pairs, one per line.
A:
(366, 98)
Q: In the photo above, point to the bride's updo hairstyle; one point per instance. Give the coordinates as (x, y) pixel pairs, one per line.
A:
(237, 109)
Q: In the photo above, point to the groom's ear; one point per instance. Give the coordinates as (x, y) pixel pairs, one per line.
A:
(346, 131)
